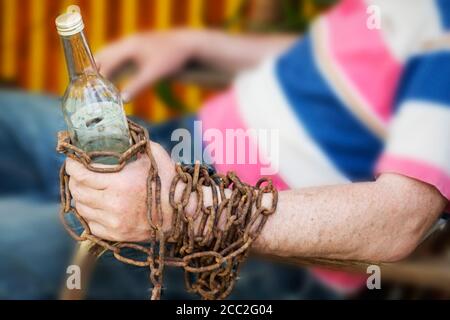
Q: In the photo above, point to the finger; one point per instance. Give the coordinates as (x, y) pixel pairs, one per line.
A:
(100, 231)
(87, 196)
(92, 180)
(88, 213)
(138, 83)
(115, 55)
(149, 72)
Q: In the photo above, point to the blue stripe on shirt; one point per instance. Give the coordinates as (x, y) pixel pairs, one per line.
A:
(427, 77)
(342, 137)
(444, 11)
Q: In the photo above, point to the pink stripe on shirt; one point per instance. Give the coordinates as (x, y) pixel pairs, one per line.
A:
(364, 58)
(221, 113)
(418, 170)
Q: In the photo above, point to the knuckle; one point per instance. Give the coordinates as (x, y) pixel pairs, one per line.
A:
(77, 174)
(73, 167)
(156, 146)
(95, 230)
(72, 185)
(74, 189)
(70, 166)
(81, 209)
(119, 237)
(86, 212)
(115, 223)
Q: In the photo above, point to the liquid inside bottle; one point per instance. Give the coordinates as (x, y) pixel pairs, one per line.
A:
(92, 106)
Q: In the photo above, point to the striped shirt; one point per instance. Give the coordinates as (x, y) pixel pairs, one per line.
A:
(351, 102)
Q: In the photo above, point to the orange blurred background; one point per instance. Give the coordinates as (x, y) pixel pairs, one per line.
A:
(31, 56)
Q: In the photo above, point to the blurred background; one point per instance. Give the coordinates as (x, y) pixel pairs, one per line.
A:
(31, 55)
(31, 59)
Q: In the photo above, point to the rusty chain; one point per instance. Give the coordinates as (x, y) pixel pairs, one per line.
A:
(210, 244)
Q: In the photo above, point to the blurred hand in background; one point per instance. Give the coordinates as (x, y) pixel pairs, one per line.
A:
(157, 55)
(154, 54)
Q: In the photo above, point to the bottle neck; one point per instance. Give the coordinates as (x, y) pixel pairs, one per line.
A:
(79, 57)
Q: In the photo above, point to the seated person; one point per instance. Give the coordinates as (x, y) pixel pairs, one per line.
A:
(362, 119)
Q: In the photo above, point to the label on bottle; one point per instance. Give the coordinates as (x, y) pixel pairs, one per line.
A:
(97, 115)
(101, 126)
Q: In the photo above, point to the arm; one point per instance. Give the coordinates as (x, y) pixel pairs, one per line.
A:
(232, 53)
(376, 221)
(157, 55)
(383, 220)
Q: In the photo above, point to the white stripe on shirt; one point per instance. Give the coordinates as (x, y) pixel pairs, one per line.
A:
(263, 105)
(421, 131)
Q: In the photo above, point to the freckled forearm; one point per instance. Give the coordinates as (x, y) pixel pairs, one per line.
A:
(359, 221)
(364, 221)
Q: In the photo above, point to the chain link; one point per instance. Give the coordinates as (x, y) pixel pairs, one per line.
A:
(210, 251)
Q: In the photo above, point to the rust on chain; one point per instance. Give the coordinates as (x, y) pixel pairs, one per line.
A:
(210, 243)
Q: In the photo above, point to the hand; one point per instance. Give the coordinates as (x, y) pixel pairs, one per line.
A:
(156, 55)
(114, 204)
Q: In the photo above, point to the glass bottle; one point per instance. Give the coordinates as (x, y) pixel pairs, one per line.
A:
(92, 106)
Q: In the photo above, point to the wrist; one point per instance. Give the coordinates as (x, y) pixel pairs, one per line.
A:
(193, 200)
(267, 243)
(264, 243)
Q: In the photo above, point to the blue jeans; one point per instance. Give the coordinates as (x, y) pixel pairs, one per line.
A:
(35, 249)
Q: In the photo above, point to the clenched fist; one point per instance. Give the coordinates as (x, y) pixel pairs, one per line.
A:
(114, 204)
